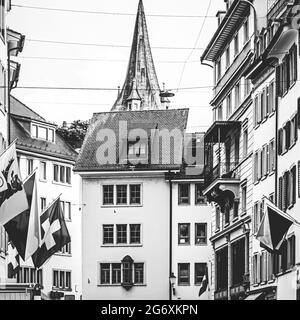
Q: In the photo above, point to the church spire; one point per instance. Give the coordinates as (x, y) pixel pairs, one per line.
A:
(141, 75)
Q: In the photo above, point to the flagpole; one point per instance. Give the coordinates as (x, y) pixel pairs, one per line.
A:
(2, 153)
(288, 216)
(51, 204)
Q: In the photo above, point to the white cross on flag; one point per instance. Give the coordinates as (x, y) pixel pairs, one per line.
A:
(54, 233)
(13, 261)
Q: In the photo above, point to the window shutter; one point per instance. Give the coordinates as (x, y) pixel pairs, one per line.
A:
(299, 179)
(294, 182)
(295, 63)
(278, 81)
(280, 137)
(298, 113)
(280, 192)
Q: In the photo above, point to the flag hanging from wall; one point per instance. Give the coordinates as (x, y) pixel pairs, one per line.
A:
(54, 233)
(24, 229)
(13, 198)
(204, 282)
(13, 261)
(273, 227)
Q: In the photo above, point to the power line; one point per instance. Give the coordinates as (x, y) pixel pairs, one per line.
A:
(94, 59)
(198, 37)
(111, 13)
(119, 13)
(101, 104)
(106, 45)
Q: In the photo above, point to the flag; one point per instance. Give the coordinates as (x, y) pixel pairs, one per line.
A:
(13, 199)
(13, 262)
(204, 282)
(54, 233)
(24, 229)
(273, 227)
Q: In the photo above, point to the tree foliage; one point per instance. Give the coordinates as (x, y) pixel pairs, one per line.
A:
(74, 133)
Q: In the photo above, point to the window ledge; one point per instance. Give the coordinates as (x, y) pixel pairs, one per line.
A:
(201, 244)
(184, 244)
(42, 180)
(121, 206)
(272, 114)
(235, 219)
(61, 289)
(62, 184)
(244, 213)
(121, 245)
(119, 285)
(271, 173)
(67, 255)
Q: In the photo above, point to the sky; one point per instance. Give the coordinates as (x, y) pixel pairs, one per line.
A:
(86, 66)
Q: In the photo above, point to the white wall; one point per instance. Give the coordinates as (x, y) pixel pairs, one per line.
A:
(51, 191)
(190, 253)
(154, 252)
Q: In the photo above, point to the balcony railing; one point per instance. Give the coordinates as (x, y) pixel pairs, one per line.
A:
(221, 294)
(276, 7)
(223, 170)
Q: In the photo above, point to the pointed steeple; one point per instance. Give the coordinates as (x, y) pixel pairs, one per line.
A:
(141, 75)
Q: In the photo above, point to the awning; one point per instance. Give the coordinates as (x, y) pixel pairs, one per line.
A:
(218, 132)
(254, 296)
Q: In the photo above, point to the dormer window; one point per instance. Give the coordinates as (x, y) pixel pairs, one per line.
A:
(42, 132)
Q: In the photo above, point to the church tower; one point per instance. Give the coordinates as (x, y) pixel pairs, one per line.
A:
(141, 89)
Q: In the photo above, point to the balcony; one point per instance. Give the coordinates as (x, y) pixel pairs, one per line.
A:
(221, 181)
(277, 7)
(221, 294)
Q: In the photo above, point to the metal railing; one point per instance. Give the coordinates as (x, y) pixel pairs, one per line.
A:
(223, 170)
(276, 7)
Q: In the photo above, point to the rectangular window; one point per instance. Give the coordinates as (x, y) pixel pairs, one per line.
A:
(135, 234)
(121, 194)
(104, 273)
(62, 280)
(200, 233)
(43, 171)
(256, 217)
(218, 218)
(121, 233)
(29, 166)
(108, 194)
(3, 240)
(229, 106)
(183, 274)
(43, 203)
(256, 106)
(244, 198)
(245, 142)
(237, 95)
(236, 45)
(183, 233)
(55, 172)
(34, 131)
(200, 199)
(68, 211)
(108, 234)
(116, 273)
(138, 273)
(291, 258)
(68, 175)
(298, 179)
(200, 269)
(29, 274)
(183, 194)
(218, 70)
(135, 194)
(62, 174)
(227, 57)
(246, 30)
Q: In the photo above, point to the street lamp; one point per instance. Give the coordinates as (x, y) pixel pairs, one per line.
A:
(172, 282)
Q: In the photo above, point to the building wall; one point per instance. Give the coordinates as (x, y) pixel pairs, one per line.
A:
(51, 190)
(3, 130)
(191, 253)
(287, 107)
(153, 215)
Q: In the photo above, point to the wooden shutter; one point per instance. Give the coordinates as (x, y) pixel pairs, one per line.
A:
(280, 192)
(295, 63)
(298, 113)
(299, 179)
(278, 81)
(294, 183)
(280, 140)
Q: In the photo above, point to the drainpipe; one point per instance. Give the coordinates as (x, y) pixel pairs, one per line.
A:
(170, 233)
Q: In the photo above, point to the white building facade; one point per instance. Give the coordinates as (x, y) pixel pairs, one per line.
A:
(45, 151)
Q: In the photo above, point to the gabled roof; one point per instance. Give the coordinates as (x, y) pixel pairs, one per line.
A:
(141, 68)
(21, 117)
(145, 120)
(18, 108)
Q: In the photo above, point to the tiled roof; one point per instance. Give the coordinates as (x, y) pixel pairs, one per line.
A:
(18, 108)
(146, 120)
(20, 130)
